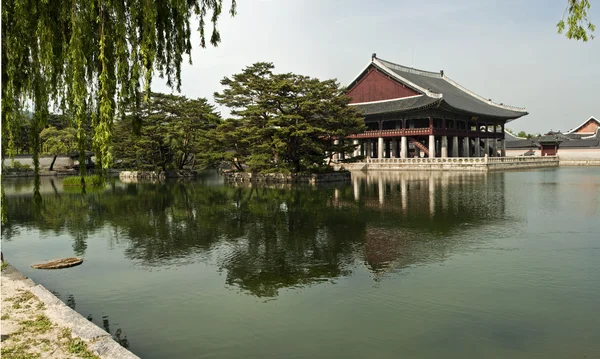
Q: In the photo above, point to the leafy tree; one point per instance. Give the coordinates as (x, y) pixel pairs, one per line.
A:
(58, 142)
(284, 122)
(522, 134)
(173, 133)
(577, 23)
(89, 57)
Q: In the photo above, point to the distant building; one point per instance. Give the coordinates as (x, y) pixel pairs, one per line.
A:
(416, 113)
(588, 127)
(579, 144)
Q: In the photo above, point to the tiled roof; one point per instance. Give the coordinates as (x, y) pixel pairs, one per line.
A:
(452, 93)
(406, 104)
(437, 85)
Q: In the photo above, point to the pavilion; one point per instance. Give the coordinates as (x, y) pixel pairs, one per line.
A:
(415, 113)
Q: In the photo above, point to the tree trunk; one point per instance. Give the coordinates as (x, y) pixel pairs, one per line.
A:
(238, 166)
(52, 164)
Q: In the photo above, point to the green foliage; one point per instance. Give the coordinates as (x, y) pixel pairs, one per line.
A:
(577, 23)
(522, 134)
(16, 166)
(285, 122)
(90, 57)
(58, 142)
(41, 324)
(92, 181)
(173, 134)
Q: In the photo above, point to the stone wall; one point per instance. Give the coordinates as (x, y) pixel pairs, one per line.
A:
(579, 154)
(579, 162)
(455, 163)
(153, 175)
(45, 161)
(286, 178)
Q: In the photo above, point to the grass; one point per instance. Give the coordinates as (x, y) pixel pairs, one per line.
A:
(4, 265)
(18, 352)
(20, 299)
(91, 181)
(41, 324)
(76, 345)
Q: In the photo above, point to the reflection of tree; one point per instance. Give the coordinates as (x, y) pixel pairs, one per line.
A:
(266, 239)
(119, 336)
(291, 238)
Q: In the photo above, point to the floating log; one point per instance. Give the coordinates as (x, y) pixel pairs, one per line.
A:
(59, 263)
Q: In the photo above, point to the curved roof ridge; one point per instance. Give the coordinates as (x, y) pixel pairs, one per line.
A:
(388, 100)
(410, 69)
(479, 97)
(377, 62)
(584, 122)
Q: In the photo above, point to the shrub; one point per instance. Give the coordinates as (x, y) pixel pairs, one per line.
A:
(92, 181)
(19, 167)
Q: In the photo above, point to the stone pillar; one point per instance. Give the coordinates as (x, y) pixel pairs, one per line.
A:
(455, 152)
(394, 145)
(431, 146)
(356, 148)
(502, 148)
(336, 155)
(494, 147)
(431, 194)
(466, 147)
(380, 148)
(477, 147)
(444, 146)
(403, 147)
(486, 146)
(381, 189)
(368, 152)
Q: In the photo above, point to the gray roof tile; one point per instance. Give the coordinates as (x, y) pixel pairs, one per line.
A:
(453, 94)
(399, 105)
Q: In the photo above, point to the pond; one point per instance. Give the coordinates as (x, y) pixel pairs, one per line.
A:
(418, 265)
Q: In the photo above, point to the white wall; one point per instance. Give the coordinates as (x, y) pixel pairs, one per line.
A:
(45, 161)
(579, 154)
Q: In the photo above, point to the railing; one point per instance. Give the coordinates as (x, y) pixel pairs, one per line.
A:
(426, 160)
(424, 132)
(528, 159)
(464, 160)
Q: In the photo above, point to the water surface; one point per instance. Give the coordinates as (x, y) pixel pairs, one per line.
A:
(418, 265)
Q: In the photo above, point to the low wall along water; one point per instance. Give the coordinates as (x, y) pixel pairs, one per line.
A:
(455, 163)
(234, 177)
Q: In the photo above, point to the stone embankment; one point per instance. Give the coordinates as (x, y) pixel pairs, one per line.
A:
(132, 176)
(315, 178)
(455, 164)
(579, 162)
(36, 324)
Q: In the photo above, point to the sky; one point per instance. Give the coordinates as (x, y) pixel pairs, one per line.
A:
(505, 50)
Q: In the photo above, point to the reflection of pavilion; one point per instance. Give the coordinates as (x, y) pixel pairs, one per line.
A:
(410, 191)
(413, 214)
